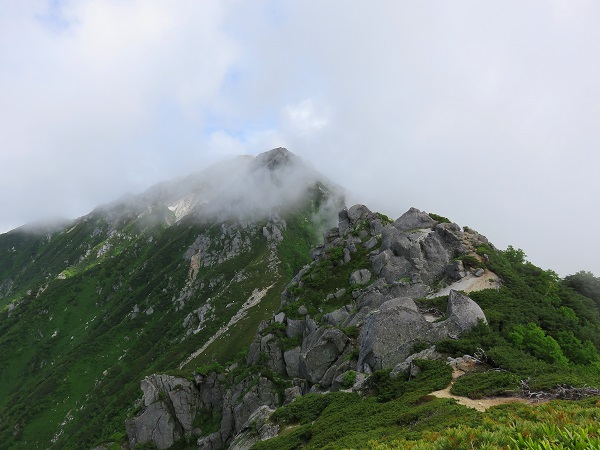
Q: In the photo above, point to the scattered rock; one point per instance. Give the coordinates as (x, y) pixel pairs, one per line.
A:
(361, 276)
(279, 318)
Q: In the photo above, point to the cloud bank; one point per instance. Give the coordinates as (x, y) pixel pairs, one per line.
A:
(484, 112)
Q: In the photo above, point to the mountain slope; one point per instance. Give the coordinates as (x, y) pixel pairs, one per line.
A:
(137, 286)
(245, 326)
(361, 343)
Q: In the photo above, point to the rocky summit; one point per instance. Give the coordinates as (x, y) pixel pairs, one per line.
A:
(245, 306)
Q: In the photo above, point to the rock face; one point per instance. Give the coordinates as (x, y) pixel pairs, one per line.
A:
(379, 326)
(463, 314)
(390, 332)
(171, 405)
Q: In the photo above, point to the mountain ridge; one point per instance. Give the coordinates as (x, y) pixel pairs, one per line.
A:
(239, 303)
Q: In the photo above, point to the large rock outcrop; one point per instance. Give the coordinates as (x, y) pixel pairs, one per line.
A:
(314, 346)
(391, 332)
(170, 405)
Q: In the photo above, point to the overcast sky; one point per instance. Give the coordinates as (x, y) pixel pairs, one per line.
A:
(485, 112)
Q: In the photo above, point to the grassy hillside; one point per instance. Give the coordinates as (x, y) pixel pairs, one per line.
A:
(91, 309)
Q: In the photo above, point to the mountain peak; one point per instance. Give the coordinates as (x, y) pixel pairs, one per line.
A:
(276, 158)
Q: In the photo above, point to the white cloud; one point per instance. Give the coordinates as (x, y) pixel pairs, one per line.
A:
(484, 112)
(304, 118)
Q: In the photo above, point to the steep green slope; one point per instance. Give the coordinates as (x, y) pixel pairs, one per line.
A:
(120, 294)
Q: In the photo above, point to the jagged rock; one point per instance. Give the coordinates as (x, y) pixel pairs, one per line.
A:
(294, 327)
(451, 232)
(346, 255)
(463, 314)
(320, 351)
(361, 276)
(211, 442)
(337, 317)
(211, 390)
(171, 405)
(155, 425)
(463, 363)
(291, 394)
(412, 290)
(280, 317)
(414, 218)
(391, 268)
(455, 270)
(358, 212)
(389, 334)
(261, 394)
(370, 298)
(395, 241)
(430, 255)
(241, 401)
(344, 222)
(267, 345)
(415, 251)
(342, 365)
(331, 235)
(370, 243)
(292, 362)
(257, 428)
(479, 272)
(408, 368)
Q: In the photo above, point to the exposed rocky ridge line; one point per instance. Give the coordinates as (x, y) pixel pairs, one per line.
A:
(313, 350)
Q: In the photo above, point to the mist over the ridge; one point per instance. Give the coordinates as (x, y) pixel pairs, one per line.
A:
(243, 189)
(483, 112)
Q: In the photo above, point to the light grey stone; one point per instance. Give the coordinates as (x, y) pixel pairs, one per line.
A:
(280, 317)
(292, 362)
(294, 327)
(320, 352)
(291, 394)
(370, 243)
(414, 218)
(361, 276)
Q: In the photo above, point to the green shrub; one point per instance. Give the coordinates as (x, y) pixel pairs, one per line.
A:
(309, 407)
(485, 384)
(470, 261)
(349, 379)
(439, 218)
(352, 331)
(209, 421)
(534, 340)
(208, 368)
(335, 254)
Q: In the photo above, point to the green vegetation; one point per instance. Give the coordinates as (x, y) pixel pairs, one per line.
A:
(540, 329)
(109, 300)
(470, 261)
(102, 304)
(326, 277)
(439, 218)
(398, 407)
(586, 284)
(555, 425)
(489, 383)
